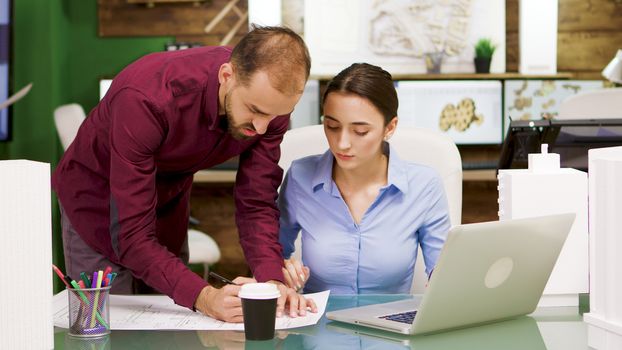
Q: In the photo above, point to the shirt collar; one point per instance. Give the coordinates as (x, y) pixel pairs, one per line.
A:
(210, 98)
(211, 104)
(397, 173)
(323, 176)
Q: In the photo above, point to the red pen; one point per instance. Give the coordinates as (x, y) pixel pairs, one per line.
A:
(81, 284)
(62, 276)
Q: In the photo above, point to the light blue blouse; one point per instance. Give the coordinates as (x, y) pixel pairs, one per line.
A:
(378, 255)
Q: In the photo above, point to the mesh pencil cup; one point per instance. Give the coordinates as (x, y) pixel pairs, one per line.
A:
(88, 312)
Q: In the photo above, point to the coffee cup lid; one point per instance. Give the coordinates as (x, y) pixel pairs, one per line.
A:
(259, 291)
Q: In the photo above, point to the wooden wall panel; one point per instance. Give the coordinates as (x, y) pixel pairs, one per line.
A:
(511, 16)
(118, 18)
(511, 51)
(586, 50)
(592, 15)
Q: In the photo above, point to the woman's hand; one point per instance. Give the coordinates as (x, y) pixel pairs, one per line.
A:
(295, 274)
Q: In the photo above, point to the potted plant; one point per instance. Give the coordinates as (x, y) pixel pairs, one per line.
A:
(484, 48)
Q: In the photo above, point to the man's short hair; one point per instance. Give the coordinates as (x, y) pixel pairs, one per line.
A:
(277, 50)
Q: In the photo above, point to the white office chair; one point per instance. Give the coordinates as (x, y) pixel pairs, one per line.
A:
(417, 145)
(594, 104)
(67, 119)
(202, 249)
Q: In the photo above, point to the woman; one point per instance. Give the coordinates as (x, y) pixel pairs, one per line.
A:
(361, 210)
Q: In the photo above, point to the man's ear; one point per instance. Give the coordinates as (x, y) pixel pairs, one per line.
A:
(225, 73)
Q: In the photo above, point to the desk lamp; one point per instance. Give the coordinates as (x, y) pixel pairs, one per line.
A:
(613, 71)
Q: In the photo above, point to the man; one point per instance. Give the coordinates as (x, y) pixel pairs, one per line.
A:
(124, 183)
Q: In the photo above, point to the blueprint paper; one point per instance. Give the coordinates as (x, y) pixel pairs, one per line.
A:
(158, 312)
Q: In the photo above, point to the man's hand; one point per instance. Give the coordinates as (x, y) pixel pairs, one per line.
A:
(298, 305)
(222, 304)
(295, 274)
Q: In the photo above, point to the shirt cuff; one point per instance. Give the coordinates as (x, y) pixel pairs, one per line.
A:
(269, 272)
(187, 289)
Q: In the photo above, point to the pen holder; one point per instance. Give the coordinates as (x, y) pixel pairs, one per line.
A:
(88, 312)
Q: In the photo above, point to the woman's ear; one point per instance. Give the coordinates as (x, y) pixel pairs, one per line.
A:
(390, 128)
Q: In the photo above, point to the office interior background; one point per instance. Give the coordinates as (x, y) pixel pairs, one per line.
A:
(66, 47)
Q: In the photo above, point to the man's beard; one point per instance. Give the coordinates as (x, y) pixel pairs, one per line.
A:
(235, 130)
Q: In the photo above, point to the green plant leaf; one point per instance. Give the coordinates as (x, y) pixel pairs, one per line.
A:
(484, 48)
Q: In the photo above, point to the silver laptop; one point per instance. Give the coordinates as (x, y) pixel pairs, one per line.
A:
(486, 272)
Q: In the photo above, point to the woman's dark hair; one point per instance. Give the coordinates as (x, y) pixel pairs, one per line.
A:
(369, 82)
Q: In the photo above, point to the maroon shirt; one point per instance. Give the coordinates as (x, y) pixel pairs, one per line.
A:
(133, 160)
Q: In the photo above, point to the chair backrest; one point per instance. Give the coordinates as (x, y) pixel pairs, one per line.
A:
(417, 145)
(68, 119)
(594, 104)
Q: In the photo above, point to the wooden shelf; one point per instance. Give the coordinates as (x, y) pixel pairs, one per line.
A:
(468, 76)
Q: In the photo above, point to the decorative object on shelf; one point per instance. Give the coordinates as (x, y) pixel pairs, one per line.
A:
(433, 61)
(613, 71)
(152, 3)
(484, 49)
(242, 18)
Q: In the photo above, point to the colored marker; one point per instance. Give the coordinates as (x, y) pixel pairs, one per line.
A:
(100, 274)
(107, 270)
(114, 275)
(94, 281)
(85, 278)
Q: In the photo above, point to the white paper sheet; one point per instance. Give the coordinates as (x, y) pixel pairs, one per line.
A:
(153, 312)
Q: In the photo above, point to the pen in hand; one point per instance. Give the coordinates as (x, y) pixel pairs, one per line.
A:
(222, 279)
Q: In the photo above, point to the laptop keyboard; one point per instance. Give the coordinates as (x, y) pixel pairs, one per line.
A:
(404, 317)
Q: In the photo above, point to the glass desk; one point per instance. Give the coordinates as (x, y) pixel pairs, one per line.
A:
(546, 329)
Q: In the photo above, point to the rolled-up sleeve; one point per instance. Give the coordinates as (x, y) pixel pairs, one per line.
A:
(137, 130)
(257, 215)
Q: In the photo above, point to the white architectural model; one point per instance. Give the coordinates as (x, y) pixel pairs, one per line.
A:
(546, 189)
(605, 316)
(25, 255)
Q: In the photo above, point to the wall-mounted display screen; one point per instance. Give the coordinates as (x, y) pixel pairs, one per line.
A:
(540, 99)
(468, 111)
